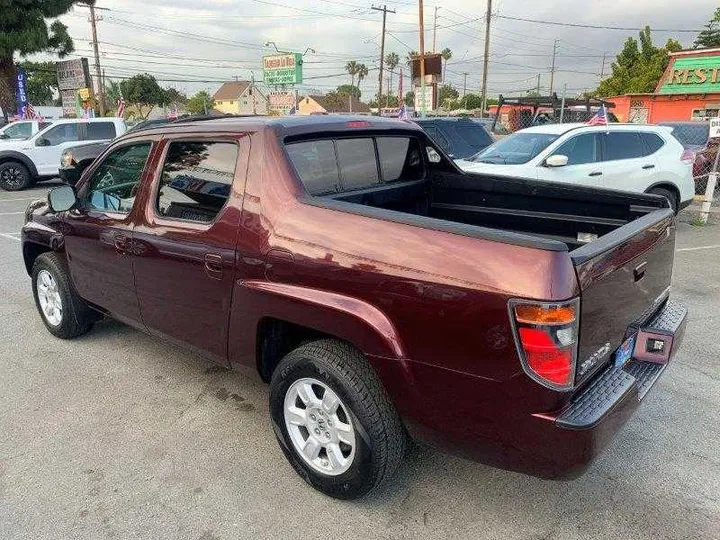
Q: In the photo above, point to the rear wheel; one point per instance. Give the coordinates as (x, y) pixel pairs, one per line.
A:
(669, 195)
(334, 421)
(64, 313)
(14, 176)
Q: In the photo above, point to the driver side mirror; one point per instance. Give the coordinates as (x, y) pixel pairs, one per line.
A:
(62, 198)
(556, 160)
(42, 141)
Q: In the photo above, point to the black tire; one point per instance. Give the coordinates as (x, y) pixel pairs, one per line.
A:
(669, 195)
(379, 434)
(14, 176)
(77, 318)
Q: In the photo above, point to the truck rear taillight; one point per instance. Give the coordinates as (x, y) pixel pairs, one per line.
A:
(546, 334)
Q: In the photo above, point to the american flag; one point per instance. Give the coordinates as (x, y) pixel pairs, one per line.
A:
(30, 113)
(600, 118)
(120, 107)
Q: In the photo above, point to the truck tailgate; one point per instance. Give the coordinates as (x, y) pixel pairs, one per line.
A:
(624, 276)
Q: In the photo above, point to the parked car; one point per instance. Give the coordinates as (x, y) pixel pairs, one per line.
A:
(21, 130)
(376, 287)
(695, 138)
(628, 157)
(458, 137)
(498, 131)
(24, 162)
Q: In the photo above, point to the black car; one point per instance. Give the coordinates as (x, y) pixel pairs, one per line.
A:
(458, 137)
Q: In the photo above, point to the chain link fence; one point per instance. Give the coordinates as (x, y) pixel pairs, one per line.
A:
(695, 138)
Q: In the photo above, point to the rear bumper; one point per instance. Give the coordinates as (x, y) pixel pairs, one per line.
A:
(563, 444)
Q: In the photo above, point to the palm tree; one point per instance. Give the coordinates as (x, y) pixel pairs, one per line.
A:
(410, 57)
(352, 68)
(447, 55)
(391, 61)
(362, 72)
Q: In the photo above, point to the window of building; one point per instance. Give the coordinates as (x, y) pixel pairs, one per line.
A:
(196, 180)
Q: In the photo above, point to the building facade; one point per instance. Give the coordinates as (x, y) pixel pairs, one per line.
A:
(689, 90)
(240, 97)
(332, 105)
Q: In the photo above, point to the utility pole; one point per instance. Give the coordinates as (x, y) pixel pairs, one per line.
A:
(538, 85)
(486, 57)
(465, 74)
(602, 68)
(552, 69)
(435, 29)
(101, 90)
(422, 59)
(385, 11)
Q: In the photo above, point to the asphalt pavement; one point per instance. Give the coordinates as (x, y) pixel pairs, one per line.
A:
(119, 435)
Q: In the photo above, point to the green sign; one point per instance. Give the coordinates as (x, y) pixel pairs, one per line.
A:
(284, 68)
(694, 75)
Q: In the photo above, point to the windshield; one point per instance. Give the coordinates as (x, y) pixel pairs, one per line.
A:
(690, 134)
(516, 149)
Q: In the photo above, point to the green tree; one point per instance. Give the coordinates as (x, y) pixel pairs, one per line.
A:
(391, 62)
(112, 93)
(348, 90)
(446, 56)
(41, 82)
(24, 31)
(470, 102)
(142, 90)
(384, 100)
(447, 96)
(352, 68)
(710, 36)
(638, 67)
(410, 57)
(410, 99)
(200, 103)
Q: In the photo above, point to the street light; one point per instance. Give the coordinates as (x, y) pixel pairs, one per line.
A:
(268, 43)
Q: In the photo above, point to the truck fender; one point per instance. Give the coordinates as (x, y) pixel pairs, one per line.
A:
(344, 317)
(12, 155)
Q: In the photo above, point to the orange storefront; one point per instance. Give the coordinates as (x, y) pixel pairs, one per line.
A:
(688, 90)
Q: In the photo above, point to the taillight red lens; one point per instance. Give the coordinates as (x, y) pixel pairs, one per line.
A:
(688, 156)
(545, 358)
(547, 334)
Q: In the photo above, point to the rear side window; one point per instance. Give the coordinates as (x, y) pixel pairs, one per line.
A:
(98, 131)
(653, 142)
(316, 165)
(623, 145)
(196, 180)
(340, 165)
(358, 164)
(400, 159)
(475, 136)
(439, 139)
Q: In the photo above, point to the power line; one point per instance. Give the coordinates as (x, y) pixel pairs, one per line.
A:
(594, 26)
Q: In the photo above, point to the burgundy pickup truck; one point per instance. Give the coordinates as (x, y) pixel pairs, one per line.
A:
(381, 291)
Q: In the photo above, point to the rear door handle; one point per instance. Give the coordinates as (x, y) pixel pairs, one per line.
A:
(214, 265)
(648, 166)
(595, 173)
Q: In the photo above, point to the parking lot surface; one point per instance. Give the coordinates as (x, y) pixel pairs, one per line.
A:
(119, 435)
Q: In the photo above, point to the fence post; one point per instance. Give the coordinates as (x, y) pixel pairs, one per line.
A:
(710, 190)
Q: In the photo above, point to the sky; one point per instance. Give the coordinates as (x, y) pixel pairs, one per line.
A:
(194, 45)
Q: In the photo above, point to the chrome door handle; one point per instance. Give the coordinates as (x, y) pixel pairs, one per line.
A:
(213, 265)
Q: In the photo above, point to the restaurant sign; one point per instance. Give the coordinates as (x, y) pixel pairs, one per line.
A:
(282, 69)
(694, 75)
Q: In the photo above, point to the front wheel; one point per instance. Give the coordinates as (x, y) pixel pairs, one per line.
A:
(14, 176)
(64, 313)
(334, 421)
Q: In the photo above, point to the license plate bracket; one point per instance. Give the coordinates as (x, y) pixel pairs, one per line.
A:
(625, 351)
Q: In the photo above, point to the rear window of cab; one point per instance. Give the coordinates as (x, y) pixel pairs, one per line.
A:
(328, 166)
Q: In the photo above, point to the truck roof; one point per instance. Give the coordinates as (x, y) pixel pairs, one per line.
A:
(289, 125)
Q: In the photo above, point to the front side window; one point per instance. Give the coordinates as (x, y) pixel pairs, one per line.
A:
(61, 133)
(474, 135)
(196, 180)
(437, 137)
(580, 149)
(100, 131)
(623, 145)
(114, 184)
(21, 130)
(400, 159)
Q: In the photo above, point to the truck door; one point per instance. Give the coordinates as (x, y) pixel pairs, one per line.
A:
(184, 244)
(98, 232)
(46, 149)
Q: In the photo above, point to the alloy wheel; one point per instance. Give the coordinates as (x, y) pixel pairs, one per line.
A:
(49, 298)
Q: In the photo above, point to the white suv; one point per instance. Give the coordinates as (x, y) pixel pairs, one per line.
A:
(626, 157)
(25, 161)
